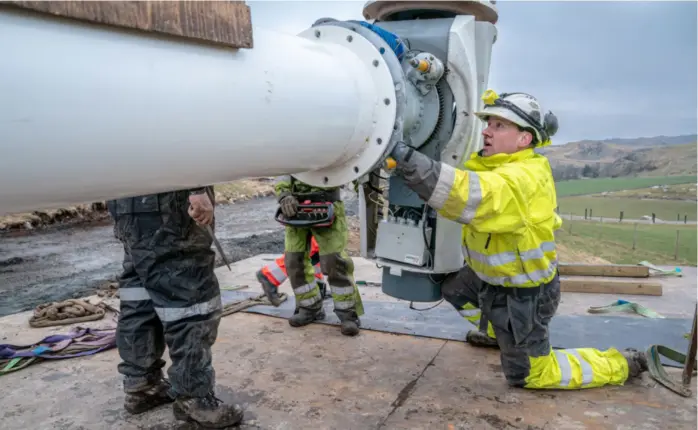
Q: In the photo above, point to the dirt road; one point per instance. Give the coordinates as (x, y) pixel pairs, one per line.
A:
(72, 261)
(69, 261)
(608, 220)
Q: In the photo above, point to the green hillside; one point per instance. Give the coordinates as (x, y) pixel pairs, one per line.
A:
(580, 187)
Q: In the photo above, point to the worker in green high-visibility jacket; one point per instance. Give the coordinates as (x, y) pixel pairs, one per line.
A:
(336, 264)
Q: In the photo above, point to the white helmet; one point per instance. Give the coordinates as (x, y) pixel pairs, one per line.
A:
(523, 110)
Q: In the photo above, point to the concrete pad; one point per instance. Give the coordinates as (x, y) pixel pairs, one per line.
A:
(286, 378)
(15, 328)
(243, 273)
(465, 389)
(316, 378)
(678, 299)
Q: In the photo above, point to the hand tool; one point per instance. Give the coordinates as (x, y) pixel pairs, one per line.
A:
(218, 246)
(310, 214)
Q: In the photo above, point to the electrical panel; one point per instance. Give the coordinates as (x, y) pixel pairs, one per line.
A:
(404, 240)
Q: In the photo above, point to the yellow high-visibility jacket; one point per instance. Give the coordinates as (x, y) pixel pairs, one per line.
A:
(507, 205)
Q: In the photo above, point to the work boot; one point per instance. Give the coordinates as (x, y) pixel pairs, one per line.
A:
(350, 322)
(637, 362)
(305, 316)
(478, 338)
(149, 398)
(271, 291)
(207, 412)
(350, 327)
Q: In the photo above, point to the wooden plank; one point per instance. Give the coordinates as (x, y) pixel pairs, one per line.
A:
(226, 23)
(597, 285)
(613, 270)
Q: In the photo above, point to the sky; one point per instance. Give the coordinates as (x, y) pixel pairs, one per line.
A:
(606, 69)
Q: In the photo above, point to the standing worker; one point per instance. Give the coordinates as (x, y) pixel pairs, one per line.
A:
(273, 275)
(334, 260)
(169, 295)
(505, 199)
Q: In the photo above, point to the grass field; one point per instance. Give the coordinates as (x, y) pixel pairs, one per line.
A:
(593, 186)
(610, 207)
(666, 192)
(614, 242)
(242, 189)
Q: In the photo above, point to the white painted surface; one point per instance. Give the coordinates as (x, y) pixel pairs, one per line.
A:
(377, 93)
(89, 113)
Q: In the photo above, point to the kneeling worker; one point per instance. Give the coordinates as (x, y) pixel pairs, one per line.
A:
(505, 199)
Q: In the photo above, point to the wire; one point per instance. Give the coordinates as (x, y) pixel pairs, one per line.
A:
(426, 244)
(375, 190)
(380, 201)
(425, 309)
(379, 176)
(424, 236)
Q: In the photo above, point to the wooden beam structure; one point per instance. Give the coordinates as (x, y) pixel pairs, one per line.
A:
(226, 23)
(609, 270)
(598, 285)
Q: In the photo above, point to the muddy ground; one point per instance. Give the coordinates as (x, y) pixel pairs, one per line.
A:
(68, 261)
(74, 257)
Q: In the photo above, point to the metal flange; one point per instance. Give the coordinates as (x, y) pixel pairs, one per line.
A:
(382, 108)
(397, 72)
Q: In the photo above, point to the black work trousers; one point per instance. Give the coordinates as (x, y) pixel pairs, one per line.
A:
(520, 317)
(169, 294)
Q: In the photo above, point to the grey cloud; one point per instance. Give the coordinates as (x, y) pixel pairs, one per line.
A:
(607, 69)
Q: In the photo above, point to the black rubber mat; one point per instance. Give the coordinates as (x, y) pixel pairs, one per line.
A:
(443, 322)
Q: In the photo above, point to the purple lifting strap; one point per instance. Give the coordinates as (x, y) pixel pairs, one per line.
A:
(51, 346)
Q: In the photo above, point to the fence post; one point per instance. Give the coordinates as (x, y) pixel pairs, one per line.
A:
(621, 217)
(653, 215)
(590, 213)
(676, 247)
(634, 236)
(585, 213)
(678, 217)
(601, 220)
(685, 219)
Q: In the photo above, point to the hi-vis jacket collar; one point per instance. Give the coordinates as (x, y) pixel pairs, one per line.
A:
(479, 163)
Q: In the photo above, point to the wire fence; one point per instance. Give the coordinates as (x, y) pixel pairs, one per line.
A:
(647, 219)
(677, 240)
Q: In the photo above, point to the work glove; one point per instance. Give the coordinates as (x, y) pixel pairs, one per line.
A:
(406, 158)
(419, 172)
(401, 153)
(289, 206)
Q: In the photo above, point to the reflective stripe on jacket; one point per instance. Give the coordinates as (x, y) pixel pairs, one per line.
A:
(507, 205)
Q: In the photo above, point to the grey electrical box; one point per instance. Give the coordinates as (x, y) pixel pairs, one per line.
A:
(403, 240)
